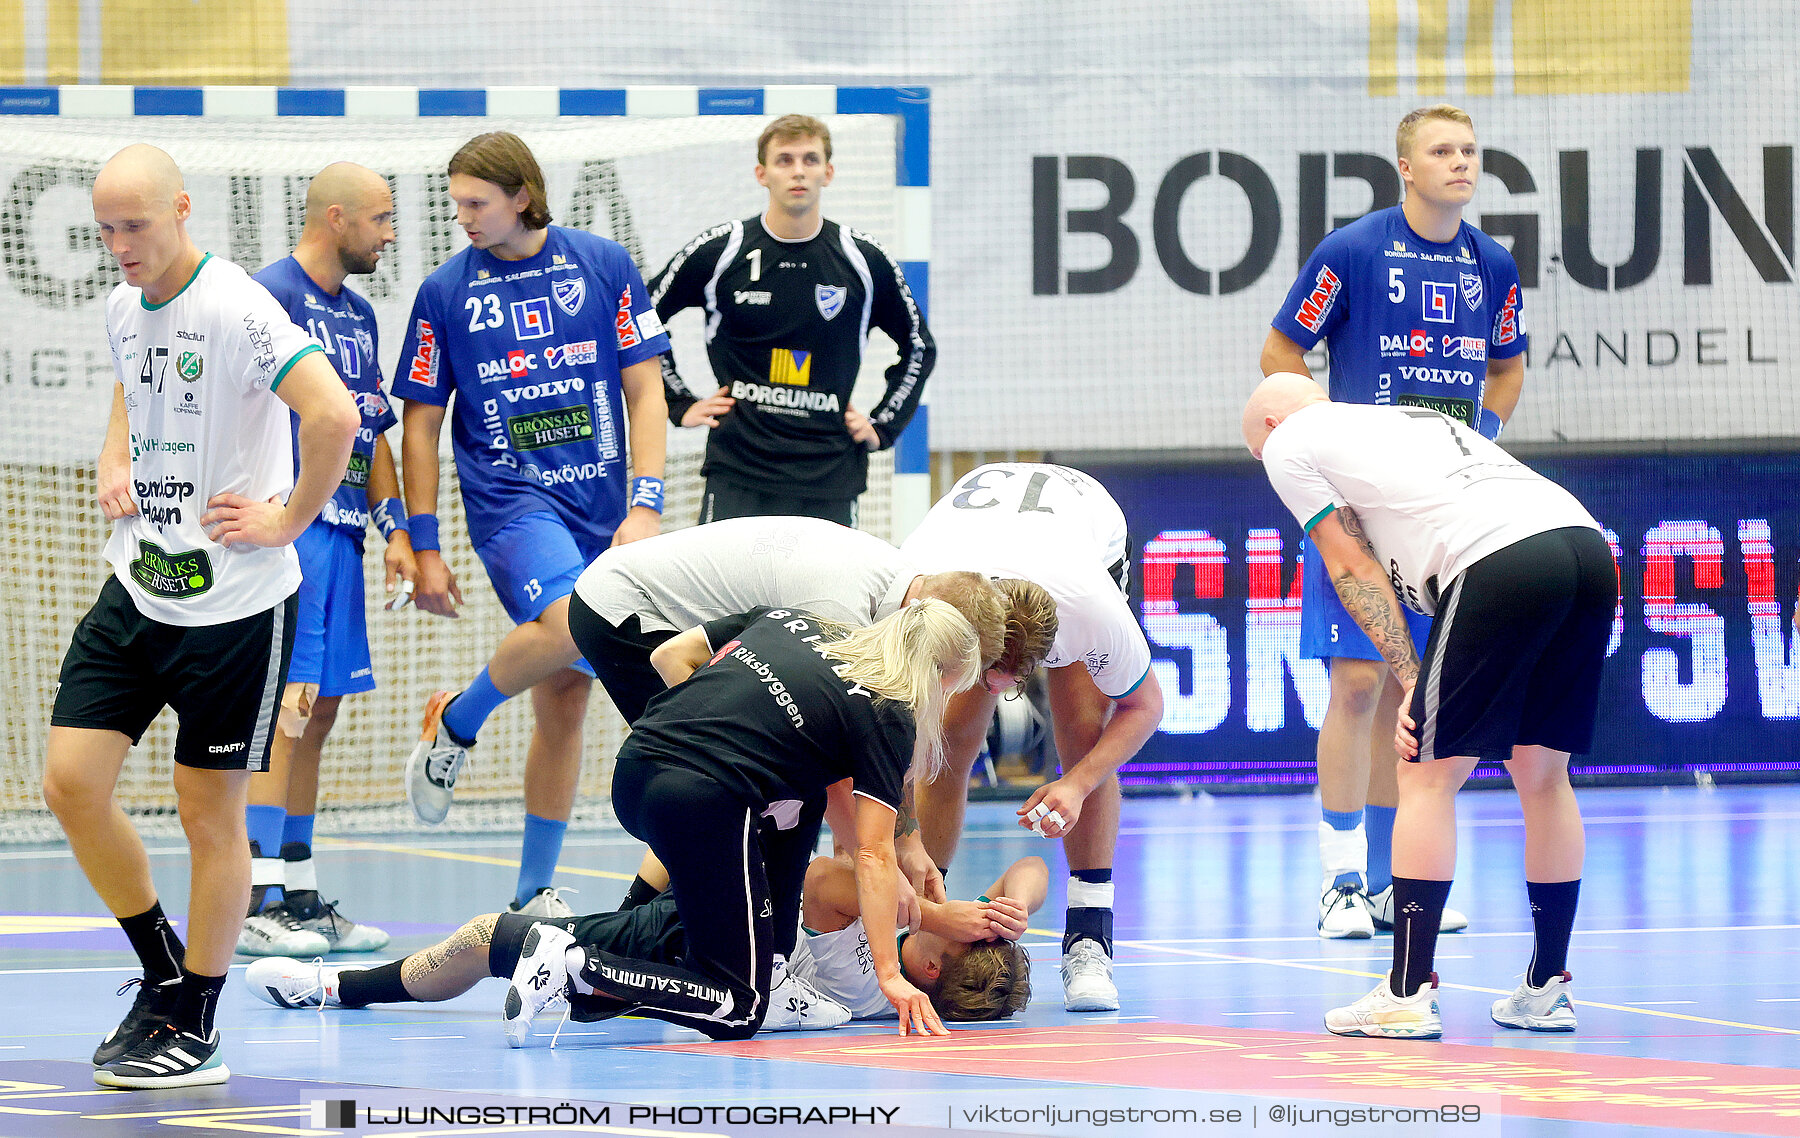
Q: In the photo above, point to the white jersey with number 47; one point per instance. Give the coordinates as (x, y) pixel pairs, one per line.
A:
(199, 373)
(1433, 496)
(1059, 528)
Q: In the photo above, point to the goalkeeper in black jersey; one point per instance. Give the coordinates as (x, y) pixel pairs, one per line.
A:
(789, 299)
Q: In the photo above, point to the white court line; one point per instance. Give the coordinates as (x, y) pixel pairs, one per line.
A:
(279, 1041)
(409, 1038)
(1778, 999)
(1257, 1013)
(1453, 937)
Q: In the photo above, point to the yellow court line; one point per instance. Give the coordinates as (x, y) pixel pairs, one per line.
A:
(478, 859)
(1465, 988)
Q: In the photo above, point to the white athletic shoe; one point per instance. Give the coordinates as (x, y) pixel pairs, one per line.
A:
(1383, 1015)
(795, 1005)
(539, 981)
(339, 931)
(432, 767)
(1087, 976)
(1382, 906)
(275, 932)
(1538, 1009)
(1344, 913)
(546, 905)
(293, 983)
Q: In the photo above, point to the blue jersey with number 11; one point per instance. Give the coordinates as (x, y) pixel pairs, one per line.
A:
(532, 350)
(1408, 321)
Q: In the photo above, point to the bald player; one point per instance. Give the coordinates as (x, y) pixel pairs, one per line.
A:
(197, 477)
(349, 221)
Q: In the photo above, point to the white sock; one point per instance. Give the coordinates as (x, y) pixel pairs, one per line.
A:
(1343, 851)
(575, 960)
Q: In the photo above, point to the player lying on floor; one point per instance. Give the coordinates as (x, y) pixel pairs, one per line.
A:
(963, 954)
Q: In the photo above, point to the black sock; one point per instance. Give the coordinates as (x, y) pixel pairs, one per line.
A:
(1553, 918)
(1418, 910)
(640, 892)
(157, 947)
(360, 986)
(304, 904)
(196, 1001)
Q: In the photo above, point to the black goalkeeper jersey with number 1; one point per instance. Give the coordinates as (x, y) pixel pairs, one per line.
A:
(786, 322)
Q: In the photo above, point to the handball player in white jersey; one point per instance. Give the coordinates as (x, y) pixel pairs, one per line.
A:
(198, 479)
(1061, 530)
(1412, 509)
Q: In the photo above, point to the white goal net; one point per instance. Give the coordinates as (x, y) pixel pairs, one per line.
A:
(649, 183)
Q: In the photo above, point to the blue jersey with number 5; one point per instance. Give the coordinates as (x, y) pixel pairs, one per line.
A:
(532, 350)
(1408, 321)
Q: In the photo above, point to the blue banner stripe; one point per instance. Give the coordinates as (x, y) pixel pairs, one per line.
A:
(918, 279)
(325, 102)
(913, 107)
(591, 101)
(912, 451)
(168, 101)
(30, 101)
(467, 101)
(731, 100)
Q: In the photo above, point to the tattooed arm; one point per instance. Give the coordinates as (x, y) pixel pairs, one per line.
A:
(1364, 588)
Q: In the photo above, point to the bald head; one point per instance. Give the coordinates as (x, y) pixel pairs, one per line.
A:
(349, 221)
(343, 184)
(142, 172)
(1274, 399)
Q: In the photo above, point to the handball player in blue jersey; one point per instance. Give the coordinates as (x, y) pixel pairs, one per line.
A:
(349, 221)
(1417, 308)
(546, 338)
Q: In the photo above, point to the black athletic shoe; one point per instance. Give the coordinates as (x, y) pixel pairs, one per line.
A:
(153, 1006)
(168, 1057)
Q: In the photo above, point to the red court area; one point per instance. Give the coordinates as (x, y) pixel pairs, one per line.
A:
(1536, 1084)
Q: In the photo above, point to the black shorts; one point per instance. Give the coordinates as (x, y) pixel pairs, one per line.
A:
(1515, 652)
(724, 499)
(619, 655)
(223, 680)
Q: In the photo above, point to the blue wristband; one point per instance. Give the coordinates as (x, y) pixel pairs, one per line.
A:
(1489, 424)
(390, 517)
(646, 491)
(424, 529)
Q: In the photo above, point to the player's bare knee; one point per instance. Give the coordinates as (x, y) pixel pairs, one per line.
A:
(70, 796)
(1355, 687)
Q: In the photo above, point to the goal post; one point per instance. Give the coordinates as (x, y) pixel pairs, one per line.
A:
(650, 167)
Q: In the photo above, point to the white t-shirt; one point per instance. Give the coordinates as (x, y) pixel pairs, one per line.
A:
(1056, 527)
(199, 373)
(1434, 497)
(840, 966)
(682, 579)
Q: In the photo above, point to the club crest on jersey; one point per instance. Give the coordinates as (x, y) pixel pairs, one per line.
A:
(189, 365)
(1471, 290)
(830, 299)
(531, 318)
(1440, 302)
(569, 294)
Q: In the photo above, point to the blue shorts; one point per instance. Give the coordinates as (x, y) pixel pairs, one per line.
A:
(1327, 629)
(533, 561)
(331, 634)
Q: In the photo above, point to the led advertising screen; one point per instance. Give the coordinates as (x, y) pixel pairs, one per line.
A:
(1703, 668)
